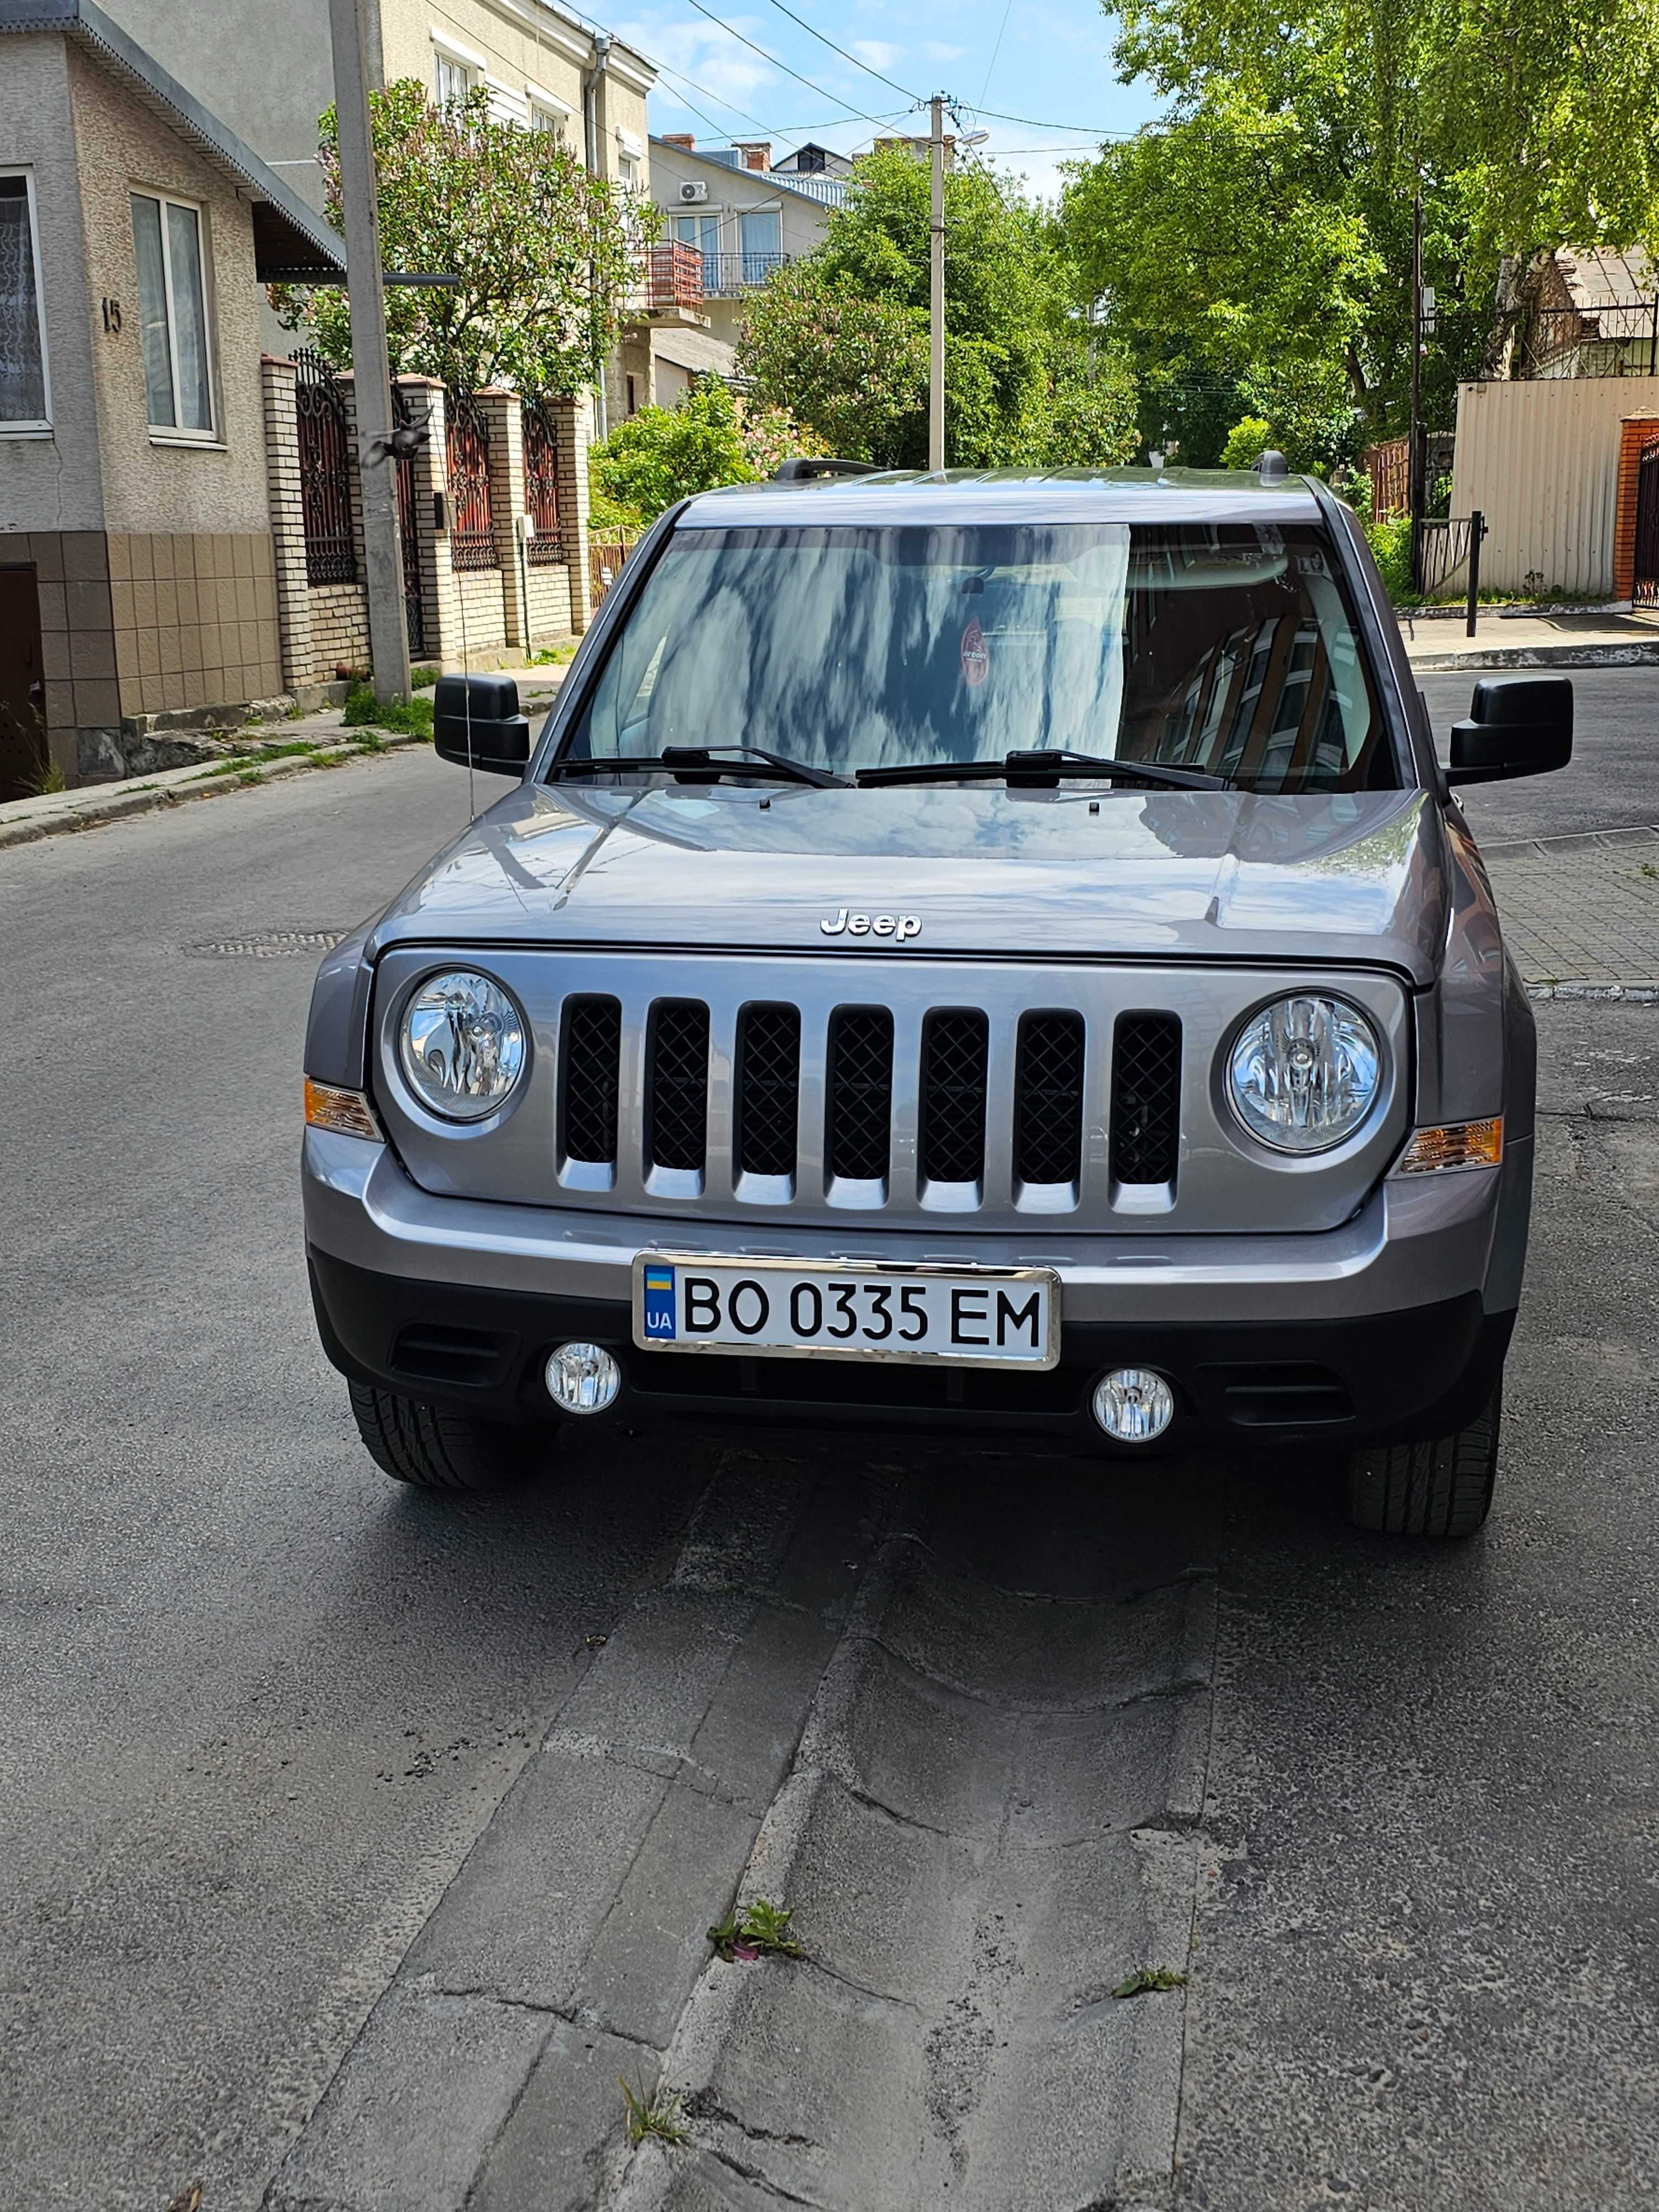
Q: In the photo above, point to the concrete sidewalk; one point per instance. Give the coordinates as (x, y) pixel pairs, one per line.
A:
(1502, 640)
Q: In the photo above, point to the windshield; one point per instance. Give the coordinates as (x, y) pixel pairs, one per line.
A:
(1229, 648)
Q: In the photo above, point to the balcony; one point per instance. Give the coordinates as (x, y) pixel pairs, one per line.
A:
(674, 278)
(728, 275)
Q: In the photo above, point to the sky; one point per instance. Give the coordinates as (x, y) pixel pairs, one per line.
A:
(1045, 60)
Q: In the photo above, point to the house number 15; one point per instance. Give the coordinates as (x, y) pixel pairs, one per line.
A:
(112, 316)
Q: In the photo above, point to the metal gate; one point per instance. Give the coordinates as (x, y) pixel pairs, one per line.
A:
(1645, 591)
(324, 471)
(409, 543)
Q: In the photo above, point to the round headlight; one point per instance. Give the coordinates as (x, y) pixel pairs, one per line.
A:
(1304, 1073)
(462, 1045)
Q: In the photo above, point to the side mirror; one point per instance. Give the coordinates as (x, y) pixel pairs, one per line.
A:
(1517, 725)
(476, 718)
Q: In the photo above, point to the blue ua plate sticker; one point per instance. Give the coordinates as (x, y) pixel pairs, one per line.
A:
(659, 1302)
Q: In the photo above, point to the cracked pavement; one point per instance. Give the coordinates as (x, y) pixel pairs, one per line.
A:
(358, 1842)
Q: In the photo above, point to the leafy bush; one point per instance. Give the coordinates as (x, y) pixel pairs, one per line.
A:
(1391, 548)
(666, 453)
(1246, 441)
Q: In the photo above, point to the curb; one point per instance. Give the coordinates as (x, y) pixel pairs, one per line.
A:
(1635, 995)
(1569, 841)
(1536, 656)
(86, 812)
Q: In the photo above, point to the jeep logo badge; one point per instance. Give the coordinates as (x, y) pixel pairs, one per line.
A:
(871, 924)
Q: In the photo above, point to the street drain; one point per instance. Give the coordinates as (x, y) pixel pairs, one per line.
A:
(268, 944)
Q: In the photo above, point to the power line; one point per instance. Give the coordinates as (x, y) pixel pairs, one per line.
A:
(846, 57)
(857, 113)
(997, 49)
(772, 130)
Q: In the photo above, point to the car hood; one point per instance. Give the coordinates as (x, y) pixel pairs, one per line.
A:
(1357, 877)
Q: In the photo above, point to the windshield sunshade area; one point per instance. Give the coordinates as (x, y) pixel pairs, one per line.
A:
(1226, 648)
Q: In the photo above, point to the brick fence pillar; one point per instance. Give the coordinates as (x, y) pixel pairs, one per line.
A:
(1634, 432)
(503, 420)
(573, 428)
(288, 530)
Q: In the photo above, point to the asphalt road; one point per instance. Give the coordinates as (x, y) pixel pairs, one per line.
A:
(1612, 783)
(297, 1765)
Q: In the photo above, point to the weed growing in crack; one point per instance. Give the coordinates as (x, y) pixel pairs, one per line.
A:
(654, 2115)
(1149, 1977)
(761, 1930)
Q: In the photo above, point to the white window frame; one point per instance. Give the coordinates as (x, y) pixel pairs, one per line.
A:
(547, 111)
(41, 428)
(168, 434)
(451, 52)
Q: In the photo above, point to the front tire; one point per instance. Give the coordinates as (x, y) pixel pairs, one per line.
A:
(1443, 1488)
(436, 1449)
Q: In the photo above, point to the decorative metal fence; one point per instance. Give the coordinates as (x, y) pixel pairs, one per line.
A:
(472, 525)
(604, 558)
(324, 471)
(1442, 548)
(541, 485)
(1620, 340)
(725, 275)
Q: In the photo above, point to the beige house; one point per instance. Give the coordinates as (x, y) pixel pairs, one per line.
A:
(742, 216)
(269, 72)
(137, 576)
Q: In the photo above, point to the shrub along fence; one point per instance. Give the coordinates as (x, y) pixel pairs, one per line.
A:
(493, 511)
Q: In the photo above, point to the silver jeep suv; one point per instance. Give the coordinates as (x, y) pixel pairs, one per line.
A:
(992, 952)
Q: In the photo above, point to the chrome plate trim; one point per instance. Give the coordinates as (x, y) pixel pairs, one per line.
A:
(897, 1271)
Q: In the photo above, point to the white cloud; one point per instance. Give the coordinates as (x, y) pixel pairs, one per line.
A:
(878, 53)
(705, 52)
(935, 53)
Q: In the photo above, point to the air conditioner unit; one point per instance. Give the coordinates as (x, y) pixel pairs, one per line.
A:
(690, 194)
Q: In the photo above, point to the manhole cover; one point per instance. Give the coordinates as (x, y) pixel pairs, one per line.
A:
(269, 944)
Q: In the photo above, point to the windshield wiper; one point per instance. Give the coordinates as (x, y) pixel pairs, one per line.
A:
(1034, 769)
(696, 764)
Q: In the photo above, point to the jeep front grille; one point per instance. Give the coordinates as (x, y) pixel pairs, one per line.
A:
(1145, 1099)
(858, 1107)
(677, 1084)
(592, 1047)
(953, 1049)
(1048, 1099)
(768, 1101)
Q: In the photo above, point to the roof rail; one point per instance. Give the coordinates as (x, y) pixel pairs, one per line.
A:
(803, 467)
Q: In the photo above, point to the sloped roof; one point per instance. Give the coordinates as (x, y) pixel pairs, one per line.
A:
(697, 350)
(291, 243)
(1606, 277)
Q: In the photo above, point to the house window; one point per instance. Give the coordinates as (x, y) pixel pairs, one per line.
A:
(172, 315)
(546, 118)
(633, 402)
(762, 245)
(23, 400)
(628, 172)
(455, 79)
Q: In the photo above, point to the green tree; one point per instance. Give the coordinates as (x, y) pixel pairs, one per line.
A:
(1245, 441)
(545, 253)
(842, 337)
(1267, 217)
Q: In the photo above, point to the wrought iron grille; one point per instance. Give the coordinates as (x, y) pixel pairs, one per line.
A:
(593, 1055)
(676, 1093)
(541, 485)
(1145, 1099)
(1604, 339)
(1644, 591)
(324, 471)
(409, 539)
(860, 1102)
(1049, 1098)
(472, 525)
(768, 1089)
(954, 1045)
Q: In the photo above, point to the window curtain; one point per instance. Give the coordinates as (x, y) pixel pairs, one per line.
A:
(22, 372)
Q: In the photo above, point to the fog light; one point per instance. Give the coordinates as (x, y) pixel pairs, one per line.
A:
(1133, 1405)
(583, 1378)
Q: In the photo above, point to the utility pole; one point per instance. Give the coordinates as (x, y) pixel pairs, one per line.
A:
(936, 293)
(388, 634)
(1415, 451)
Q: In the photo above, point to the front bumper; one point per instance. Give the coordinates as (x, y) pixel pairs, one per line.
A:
(1392, 1328)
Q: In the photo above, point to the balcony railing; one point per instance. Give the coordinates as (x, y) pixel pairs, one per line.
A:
(674, 277)
(725, 275)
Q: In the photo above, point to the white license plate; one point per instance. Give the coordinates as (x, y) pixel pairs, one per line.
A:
(847, 1309)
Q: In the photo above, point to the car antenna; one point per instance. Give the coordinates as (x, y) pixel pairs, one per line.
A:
(1271, 466)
